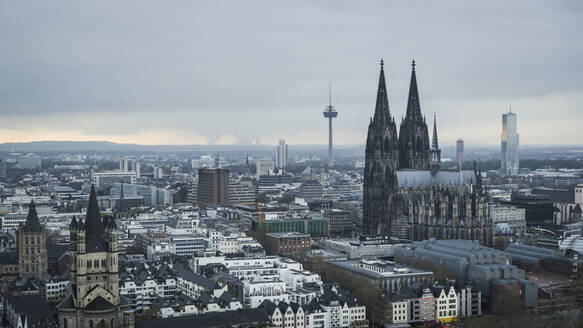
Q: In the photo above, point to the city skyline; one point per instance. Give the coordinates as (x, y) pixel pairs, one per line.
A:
(66, 76)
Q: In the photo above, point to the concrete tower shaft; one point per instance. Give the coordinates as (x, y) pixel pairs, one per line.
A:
(330, 113)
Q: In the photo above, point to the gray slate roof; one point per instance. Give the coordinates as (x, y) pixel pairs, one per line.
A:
(423, 178)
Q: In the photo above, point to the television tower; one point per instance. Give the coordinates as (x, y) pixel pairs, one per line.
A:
(330, 113)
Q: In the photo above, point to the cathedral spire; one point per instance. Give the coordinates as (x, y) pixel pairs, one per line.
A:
(382, 105)
(413, 105)
(434, 143)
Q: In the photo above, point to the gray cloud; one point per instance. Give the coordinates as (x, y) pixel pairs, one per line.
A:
(253, 69)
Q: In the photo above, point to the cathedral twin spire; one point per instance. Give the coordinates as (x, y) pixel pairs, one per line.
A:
(413, 104)
(382, 112)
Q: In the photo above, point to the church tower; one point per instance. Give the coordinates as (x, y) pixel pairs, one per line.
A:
(435, 161)
(94, 299)
(413, 135)
(381, 160)
(32, 246)
(121, 209)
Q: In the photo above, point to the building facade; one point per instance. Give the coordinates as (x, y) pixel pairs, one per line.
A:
(264, 167)
(509, 144)
(514, 216)
(32, 246)
(459, 151)
(213, 187)
(287, 242)
(94, 298)
(406, 194)
(281, 155)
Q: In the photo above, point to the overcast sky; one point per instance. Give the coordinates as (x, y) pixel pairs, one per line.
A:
(226, 72)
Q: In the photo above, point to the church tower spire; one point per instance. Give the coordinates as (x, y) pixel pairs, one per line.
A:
(382, 159)
(435, 161)
(413, 104)
(413, 135)
(382, 112)
(434, 143)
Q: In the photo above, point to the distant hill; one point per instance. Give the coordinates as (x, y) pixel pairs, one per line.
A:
(106, 146)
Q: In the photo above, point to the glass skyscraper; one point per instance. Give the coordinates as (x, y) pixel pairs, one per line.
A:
(510, 142)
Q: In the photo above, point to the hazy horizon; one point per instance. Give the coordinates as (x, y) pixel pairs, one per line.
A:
(228, 73)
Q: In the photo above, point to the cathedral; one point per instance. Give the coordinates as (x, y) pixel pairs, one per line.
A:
(406, 194)
(94, 300)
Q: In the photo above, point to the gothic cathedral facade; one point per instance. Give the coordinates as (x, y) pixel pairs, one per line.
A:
(406, 194)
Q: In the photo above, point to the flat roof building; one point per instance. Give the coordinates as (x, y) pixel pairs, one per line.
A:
(385, 274)
(213, 187)
(287, 242)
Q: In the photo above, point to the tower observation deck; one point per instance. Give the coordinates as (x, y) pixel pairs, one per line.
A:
(330, 113)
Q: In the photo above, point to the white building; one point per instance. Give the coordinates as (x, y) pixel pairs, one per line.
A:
(281, 155)
(124, 164)
(103, 180)
(446, 304)
(514, 216)
(264, 288)
(264, 167)
(509, 144)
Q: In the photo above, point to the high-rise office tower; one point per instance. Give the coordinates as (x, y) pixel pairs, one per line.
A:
(124, 164)
(459, 151)
(281, 155)
(330, 113)
(137, 169)
(213, 187)
(509, 145)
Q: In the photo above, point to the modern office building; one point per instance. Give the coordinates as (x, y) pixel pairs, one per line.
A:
(314, 226)
(281, 155)
(137, 168)
(213, 187)
(538, 208)
(105, 180)
(286, 242)
(512, 215)
(510, 144)
(265, 167)
(459, 151)
(311, 190)
(152, 195)
(124, 164)
(340, 221)
(241, 192)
